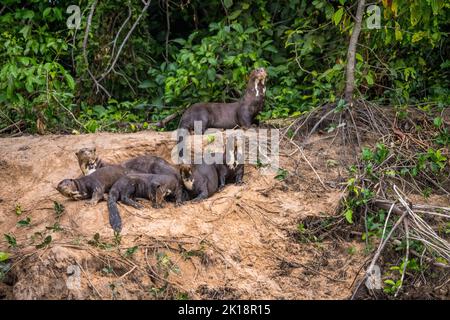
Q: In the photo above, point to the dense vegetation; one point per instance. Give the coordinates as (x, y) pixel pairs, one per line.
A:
(131, 64)
(182, 52)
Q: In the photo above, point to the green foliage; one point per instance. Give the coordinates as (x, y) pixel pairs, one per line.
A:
(18, 209)
(394, 282)
(131, 251)
(4, 256)
(11, 239)
(46, 83)
(24, 223)
(59, 208)
(45, 243)
(282, 174)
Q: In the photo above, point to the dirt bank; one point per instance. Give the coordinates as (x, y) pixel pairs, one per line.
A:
(240, 243)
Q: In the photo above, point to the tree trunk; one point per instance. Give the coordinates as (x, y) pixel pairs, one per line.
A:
(350, 73)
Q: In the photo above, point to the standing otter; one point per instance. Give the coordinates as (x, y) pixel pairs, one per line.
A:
(154, 187)
(200, 180)
(89, 162)
(229, 115)
(92, 186)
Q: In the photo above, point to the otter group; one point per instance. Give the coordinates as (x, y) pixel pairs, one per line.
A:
(153, 178)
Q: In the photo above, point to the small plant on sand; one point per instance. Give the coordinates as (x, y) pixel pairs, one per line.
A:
(11, 239)
(282, 174)
(131, 251)
(59, 208)
(18, 209)
(24, 223)
(45, 243)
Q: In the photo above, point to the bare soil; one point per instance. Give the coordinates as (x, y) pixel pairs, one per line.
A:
(241, 243)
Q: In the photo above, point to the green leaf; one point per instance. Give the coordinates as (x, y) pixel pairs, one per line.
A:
(349, 215)
(59, 208)
(46, 12)
(131, 251)
(389, 282)
(437, 122)
(227, 3)
(25, 31)
(145, 84)
(359, 57)
(234, 14)
(338, 16)
(28, 14)
(4, 256)
(70, 81)
(45, 243)
(398, 33)
(23, 223)
(436, 5)
(369, 79)
(211, 74)
(11, 240)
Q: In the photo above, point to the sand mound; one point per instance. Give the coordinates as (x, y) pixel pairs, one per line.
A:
(240, 243)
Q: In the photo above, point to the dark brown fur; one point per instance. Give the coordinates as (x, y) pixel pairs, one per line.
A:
(230, 172)
(89, 162)
(229, 115)
(154, 187)
(92, 186)
(201, 180)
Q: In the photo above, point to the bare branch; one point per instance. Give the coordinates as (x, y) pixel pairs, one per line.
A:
(85, 40)
(350, 73)
(125, 41)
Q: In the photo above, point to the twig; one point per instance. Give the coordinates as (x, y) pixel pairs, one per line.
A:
(381, 247)
(131, 270)
(405, 222)
(89, 280)
(309, 163)
(147, 3)
(85, 40)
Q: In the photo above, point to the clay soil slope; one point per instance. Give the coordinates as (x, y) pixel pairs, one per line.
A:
(243, 242)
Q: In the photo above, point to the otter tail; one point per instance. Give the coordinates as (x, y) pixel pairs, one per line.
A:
(114, 215)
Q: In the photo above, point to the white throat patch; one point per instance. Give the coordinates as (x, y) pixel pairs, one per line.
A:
(189, 184)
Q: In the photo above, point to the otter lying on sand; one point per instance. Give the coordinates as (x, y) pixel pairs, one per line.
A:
(89, 162)
(154, 187)
(229, 115)
(200, 180)
(92, 186)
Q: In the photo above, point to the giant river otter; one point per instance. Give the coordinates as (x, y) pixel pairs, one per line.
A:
(154, 187)
(229, 115)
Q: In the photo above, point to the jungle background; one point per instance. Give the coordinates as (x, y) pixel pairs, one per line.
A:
(136, 65)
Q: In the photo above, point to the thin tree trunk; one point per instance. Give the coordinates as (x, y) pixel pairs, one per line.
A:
(350, 73)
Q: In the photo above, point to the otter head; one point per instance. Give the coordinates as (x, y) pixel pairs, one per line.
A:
(259, 74)
(87, 159)
(69, 188)
(256, 84)
(186, 176)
